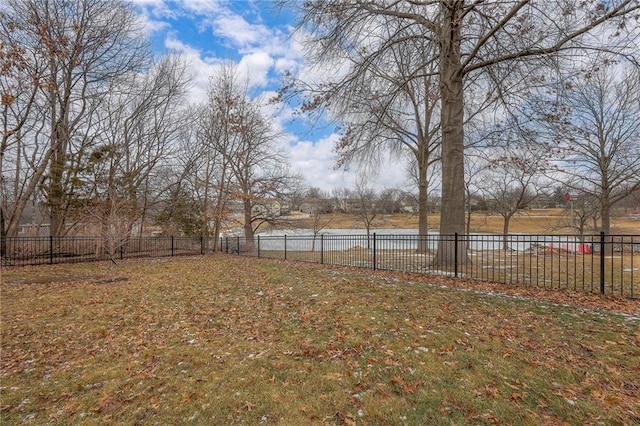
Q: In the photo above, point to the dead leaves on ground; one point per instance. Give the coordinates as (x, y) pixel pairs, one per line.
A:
(236, 340)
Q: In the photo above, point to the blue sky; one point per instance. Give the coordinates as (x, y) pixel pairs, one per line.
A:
(261, 41)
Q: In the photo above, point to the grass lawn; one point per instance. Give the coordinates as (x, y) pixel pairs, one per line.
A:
(222, 340)
(535, 221)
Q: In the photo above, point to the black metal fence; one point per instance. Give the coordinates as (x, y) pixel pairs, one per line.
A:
(22, 251)
(606, 264)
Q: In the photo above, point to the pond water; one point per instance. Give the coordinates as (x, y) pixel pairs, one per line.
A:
(406, 239)
(341, 231)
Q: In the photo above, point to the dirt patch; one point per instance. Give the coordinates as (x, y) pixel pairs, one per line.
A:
(68, 279)
(112, 280)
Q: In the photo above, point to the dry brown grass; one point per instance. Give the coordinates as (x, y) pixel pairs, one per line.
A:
(546, 221)
(549, 269)
(230, 340)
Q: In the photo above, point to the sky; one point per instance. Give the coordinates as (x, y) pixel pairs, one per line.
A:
(261, 41)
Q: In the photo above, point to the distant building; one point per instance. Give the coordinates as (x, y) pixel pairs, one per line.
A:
(271, 207)
(408, 205)
(33, 230)
(351, 205)
(316, 205)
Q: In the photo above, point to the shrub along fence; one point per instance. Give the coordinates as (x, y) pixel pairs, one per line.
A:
(606, 264)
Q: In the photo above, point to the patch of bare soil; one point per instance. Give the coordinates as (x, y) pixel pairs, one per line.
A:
(68, 279)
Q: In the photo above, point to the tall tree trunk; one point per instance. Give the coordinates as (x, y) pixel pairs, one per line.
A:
(423, 206)
(505, 232)
(145, 207)
(217, 225)
(467, 226)
(56, 189)
(605, 225)
(104, 229)
(452, 117)
(218, 213)
(248, 226)
(606, 220)
(368, 226)
(605, 207)
(204, 231)
(3, 234)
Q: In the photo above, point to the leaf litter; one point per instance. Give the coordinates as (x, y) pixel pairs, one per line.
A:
(223, 339)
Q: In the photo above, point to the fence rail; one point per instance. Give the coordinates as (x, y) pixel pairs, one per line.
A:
(22, 251)
(606, 264)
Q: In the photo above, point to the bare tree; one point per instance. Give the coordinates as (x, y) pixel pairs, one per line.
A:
(242, 162)
(581, 214)
(367, 209)
(23, 159)
(296, 195)
(596, 123)
(632, 202)
(75, 48)
(318, 221)
(339, 196)
(388, 110)
(389, 200)
(503, 41)
(474, 166)
(190, 182)
(218, 141)
(510, 183)
(139, 122)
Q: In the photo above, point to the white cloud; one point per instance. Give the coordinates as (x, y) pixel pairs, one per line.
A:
(172, 43)
(237, 30)
(145, 18)
(285, 64)
(316, 161)
(256, 67)
(202, 7)
(155, 4)
(262, 53)
(155, 10)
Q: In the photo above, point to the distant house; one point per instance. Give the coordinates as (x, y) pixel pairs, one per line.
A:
(351, 205)
(316, 205)
(271, 207)
(33, 230)
(235, 206)
(408, 205)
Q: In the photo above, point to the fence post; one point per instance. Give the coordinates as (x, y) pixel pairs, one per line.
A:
(172, 246)
(285, 246)
(51, 249)
(455, 255)
(375, 251)
(374, 262)
(602, 251)
(258, 245)
(321, 249)
(226, 240)
(238, 244)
